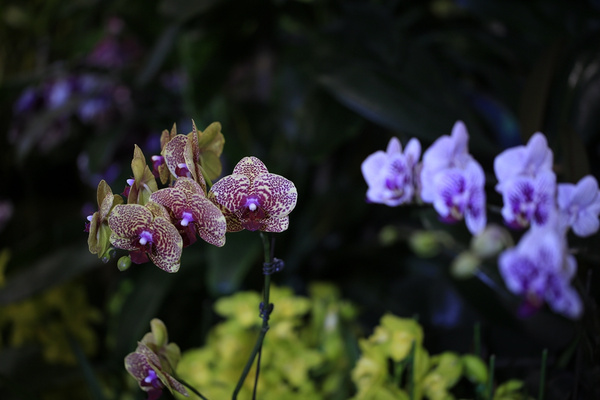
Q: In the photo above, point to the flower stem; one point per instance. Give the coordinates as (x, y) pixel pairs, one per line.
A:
(191, 388)
(265, 311)
(543, 375)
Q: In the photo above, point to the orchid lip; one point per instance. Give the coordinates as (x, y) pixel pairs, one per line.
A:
(130, 182)
(145, 238)
(186, 218)
(90, 217)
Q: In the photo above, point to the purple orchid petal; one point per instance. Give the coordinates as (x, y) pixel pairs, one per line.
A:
(579, 206)
(539, 269)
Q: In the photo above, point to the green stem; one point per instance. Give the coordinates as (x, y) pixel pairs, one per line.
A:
(411, 372)
(543, 374)
(191, 388)
(268, 253)
(490, 388)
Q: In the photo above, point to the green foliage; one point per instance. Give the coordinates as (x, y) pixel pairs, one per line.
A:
(306, 354)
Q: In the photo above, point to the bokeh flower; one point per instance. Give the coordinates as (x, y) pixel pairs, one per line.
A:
(540, 270)
(579, 206)
(252, 198)
(389, 174)
(527, 183)
(453, 181)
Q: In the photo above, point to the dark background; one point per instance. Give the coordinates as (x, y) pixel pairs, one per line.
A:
(312, 88)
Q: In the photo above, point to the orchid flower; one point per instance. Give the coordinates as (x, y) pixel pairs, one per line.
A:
(99, 232)
(150, 373)
(389, 174)
(192, 212)
(453, 181)
(195, 154)
(252, 198)
(143, 183)
(137, 229)
(579, 206)
(154, 360)
(540, 270)
(527, 183)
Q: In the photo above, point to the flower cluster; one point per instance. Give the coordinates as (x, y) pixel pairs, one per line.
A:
(448, 177)
(156, 224)
(539, 268)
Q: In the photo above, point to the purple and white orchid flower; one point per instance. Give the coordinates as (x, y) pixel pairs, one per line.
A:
(453, 181)
(527, 183)
(540, 269)
(389, 174)
(579, 206)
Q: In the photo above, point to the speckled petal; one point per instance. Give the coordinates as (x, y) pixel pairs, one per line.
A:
(230, 191)
(158, 210)
(174, 152)
(172, 198)
(190, 155)
(210, 222)
(128, 220)
(191, 185)
(279, 193)
(276, 224)
(137, 365)
(130, 244)
(251, 167)
(167, 246)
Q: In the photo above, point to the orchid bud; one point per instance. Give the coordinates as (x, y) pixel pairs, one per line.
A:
(124, 263)
(465, 265)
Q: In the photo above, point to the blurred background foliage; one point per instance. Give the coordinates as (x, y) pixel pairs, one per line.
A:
(311, 88)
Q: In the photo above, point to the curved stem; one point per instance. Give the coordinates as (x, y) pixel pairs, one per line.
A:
(191, 388)
(268, 246)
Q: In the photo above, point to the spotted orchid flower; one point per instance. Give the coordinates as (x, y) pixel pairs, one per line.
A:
(252, 198)
(192, 212)
(141, 231)
(196, 154)
(151, 373)
(389, 174)
(143, 183)
(540, 270)
(99, 231)
(453, 181)
(527, 183)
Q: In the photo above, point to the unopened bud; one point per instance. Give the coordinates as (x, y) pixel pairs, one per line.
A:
(159, 331)
(124, 263)
(465, 265)
(491, 241)
(428, 243)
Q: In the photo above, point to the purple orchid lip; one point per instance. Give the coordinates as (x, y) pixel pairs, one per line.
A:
(145, 238)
